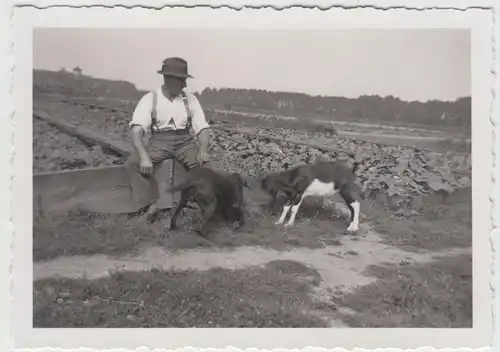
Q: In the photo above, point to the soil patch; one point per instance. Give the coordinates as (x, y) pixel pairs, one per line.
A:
(336, 263)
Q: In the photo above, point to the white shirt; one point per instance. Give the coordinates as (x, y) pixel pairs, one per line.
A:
(170, 115)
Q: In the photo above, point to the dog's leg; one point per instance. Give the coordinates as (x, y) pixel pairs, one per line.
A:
(239, 212)
(207, 211)
(295, 208)
(354, 207)
(290, 195)
(300, 186)
(286, 192)
(240, 218)
(235, 214)
(180, 206)
(284, 213)
(274, 200)
(354, 225)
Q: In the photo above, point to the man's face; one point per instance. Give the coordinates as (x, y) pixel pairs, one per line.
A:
(174, 84)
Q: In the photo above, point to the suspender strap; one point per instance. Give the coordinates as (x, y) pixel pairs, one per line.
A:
(188, 109)
(154, 120)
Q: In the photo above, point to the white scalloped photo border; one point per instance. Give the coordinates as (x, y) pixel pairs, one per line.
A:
(13, 160)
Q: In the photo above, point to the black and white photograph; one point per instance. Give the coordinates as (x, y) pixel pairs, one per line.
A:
(261, 142)
(246, 177)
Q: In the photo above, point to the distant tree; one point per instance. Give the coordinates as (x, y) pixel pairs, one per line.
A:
(366, 107)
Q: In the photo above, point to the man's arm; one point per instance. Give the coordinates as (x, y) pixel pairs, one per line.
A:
(199, 121)
(141, 122)
(204, 138)
(138, 143)
(200, 126)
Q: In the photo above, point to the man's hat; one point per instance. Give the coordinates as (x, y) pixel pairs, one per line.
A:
(175, 66)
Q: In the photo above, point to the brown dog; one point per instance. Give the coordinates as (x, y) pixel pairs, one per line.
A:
(214, 193)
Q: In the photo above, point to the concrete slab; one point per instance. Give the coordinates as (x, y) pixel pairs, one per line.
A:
(101, 190)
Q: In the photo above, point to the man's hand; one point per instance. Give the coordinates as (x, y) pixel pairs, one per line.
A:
(146, 166)
(202, 153)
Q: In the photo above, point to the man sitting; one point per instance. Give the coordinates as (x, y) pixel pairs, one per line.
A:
(165, 117)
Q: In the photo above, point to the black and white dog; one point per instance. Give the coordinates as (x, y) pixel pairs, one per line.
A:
(323, 179)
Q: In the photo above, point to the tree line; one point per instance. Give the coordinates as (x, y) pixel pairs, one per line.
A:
(365, 108)
(77, 84)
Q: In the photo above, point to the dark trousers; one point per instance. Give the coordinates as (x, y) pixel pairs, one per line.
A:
(162, 146)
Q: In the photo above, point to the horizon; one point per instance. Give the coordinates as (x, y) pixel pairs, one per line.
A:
(409, 64)
(270, 91)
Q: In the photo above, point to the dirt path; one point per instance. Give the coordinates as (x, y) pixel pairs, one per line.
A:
(341, 267)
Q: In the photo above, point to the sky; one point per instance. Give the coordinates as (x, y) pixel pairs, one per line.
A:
(411, 64)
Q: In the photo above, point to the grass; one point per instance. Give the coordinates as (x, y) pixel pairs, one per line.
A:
(436, 295)
(434, 224)
(437, 226)
(273, 296)
(82, 233)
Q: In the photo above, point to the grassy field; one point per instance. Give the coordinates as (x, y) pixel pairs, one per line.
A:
(435, 224)
(69, 234)
(278, 293)
(273, 296)
(436, 294)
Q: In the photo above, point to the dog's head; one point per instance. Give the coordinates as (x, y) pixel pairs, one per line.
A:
(271, 188)
(255, 199)
(268, 185)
